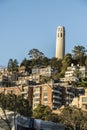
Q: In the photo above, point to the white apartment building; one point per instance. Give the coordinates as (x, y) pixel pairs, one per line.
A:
(43, 71)
(71, 73)
(83, 71)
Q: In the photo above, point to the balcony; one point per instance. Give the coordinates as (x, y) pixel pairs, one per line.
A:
(36, 92)
(55, 107)
(23, 92)
(56, 96)
(35, 101)
(56, 102)
(69, 98)
(56, 91)
(70, 93)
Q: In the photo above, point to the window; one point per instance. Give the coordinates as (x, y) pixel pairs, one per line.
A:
(58, 34)
(36, 89)
(61, 34)
(37, 99)
(37, 94)
(84, 99)
(45, 94)
(45, 88)
(45, 99)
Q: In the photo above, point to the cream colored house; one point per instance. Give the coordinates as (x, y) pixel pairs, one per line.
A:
(80, 101)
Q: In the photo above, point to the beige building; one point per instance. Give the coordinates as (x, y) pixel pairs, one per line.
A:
(38, 73)
(49, 94)
(60, 42)
(17, 90)
(73, 73)
(43, 71)
(80, 101)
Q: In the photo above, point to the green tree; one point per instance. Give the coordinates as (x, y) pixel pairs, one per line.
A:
(73, 118)
(56, 64)
(24, 62)
(24, 108)
(12, 65)
(41, 112)
(35, 54)
(6, 82)
(5, 121)
(79, 54)
(67, 61)
(3, 115)
(53, 117)
(27, 64)
(43, 62)
(15, 103)
(86, 61)
(82, 83)
(15, 65)
(44, 79)
(45, 113)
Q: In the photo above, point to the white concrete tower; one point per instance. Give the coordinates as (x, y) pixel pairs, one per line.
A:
(60, 42)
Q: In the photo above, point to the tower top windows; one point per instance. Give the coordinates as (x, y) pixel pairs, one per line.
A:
(61, 28)
(60, 42)
(60, 35)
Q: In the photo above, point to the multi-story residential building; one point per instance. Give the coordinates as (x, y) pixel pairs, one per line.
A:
(54, 94)
(22, 69)
(37, 73)
(70, 75)
(83, 70)
(73, 71)
(68, 93)
(70, 80)
(23, 81)
(44, 71)
(49, 94)
(17, 90)
(11, 90)
(80, 71)
(80, 101)
(3, 70)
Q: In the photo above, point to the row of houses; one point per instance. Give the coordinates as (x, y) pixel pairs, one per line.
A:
(54, 94)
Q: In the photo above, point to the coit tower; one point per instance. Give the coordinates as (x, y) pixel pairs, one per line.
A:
(60, 42)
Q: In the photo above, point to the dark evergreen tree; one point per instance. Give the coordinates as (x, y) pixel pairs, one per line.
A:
(79, 55)
(35, 54)
(12, 65)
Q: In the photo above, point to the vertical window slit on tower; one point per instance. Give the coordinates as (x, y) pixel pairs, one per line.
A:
(58, 34)
(61, 34)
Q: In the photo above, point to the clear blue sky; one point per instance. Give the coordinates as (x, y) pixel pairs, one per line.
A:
(28, 24)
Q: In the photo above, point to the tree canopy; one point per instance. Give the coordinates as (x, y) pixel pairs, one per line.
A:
(45, 113)
(12, 65)
(15, 103)
(79, 54)
(73, 118)
(35, 54)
